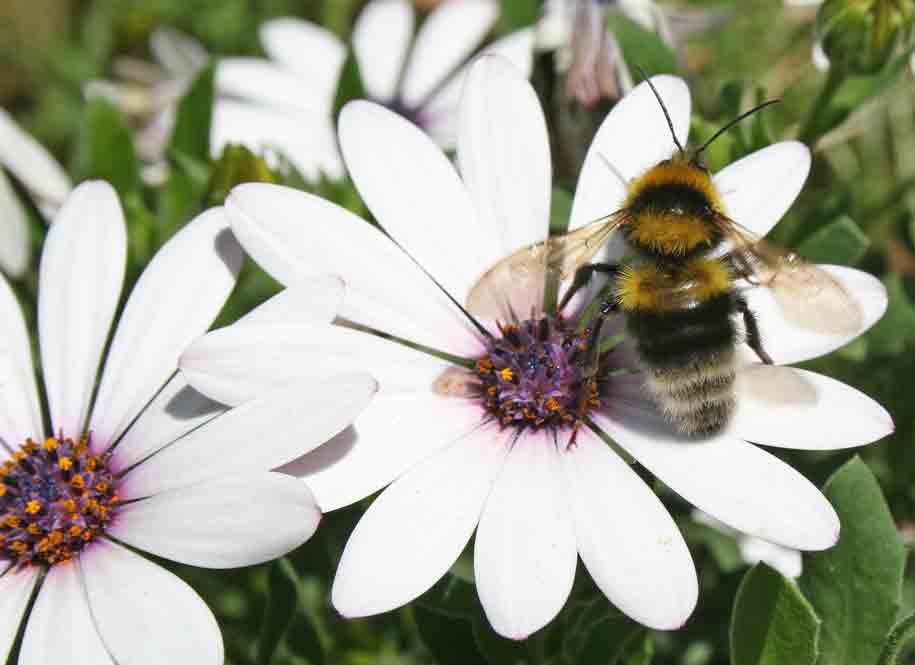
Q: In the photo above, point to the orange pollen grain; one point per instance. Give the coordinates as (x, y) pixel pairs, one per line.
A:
(65, 463)
(506, 374)
(33, 507)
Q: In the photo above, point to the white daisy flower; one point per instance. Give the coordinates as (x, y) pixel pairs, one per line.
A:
(42, 178)
(476, 437)
(754, 550)
(144, 461)
(286, 102)
(148, 92)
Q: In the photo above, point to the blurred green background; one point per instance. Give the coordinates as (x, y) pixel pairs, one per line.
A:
(857, 209)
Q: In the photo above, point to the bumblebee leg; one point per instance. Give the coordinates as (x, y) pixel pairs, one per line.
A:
(583, 276)
(592, 358)
(752, 330)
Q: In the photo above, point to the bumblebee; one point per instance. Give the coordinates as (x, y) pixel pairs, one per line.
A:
(681, 289)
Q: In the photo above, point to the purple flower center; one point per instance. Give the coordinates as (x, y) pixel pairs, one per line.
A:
(55, 497)
(535, 376)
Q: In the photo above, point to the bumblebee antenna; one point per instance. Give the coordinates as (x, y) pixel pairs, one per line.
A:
(663, 108)
(733, 122)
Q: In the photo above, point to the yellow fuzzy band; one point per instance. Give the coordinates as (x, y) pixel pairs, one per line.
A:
(649, 288)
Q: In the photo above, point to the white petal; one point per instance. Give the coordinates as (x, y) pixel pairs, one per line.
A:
(306, 138)
(174, 301)
(60, 628)
(15, 590)
(262, 82)
(633, 138)
(397, 430)
(267, 220)
(177, 52)
(80, 278)
(381, 37)
(793, 408)
(446, 38)
(238, 363)
(440, 115)
(315, 300)
(15, 243)
(20, 414)
(524, 554)
(174, 411)
(416, 529)
(743, 486)
(786, 561)
(257, 436)
(225, 523)
(504, 154)
(312, 52)
(626, 538)
(787, 343)
(758, 189)
(31, 164)
(145, 614)
(416, 195)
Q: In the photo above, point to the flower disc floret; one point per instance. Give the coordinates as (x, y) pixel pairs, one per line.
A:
(534, 376)
(55, 497)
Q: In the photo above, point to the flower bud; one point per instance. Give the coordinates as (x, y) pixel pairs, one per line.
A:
(237, 165)
(860, 36)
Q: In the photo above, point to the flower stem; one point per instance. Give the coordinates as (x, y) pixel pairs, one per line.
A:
(813, 128)
(901, 633)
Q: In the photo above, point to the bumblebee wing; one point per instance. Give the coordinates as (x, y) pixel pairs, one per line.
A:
(516, 284)
(808, 296)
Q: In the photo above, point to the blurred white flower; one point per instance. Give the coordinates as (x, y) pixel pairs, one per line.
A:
(477, 436)
(144, 461)
(148, 92)
(43, 180)
(785, 560)
(286, 102)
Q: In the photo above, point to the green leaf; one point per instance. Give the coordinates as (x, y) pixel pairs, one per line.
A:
(303, 641)
(496, 649)
(518, 14)
(282, 601)
(104, 148)
(901, 634)
(350, 86)
(721, 546)
(449, 639)
(772, 623)
(893, 332)
(640, 46)
(855, 586)
(191, 135)
(453, 596)
(841, 241)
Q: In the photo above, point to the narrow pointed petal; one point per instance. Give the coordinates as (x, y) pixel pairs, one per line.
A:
(416, 195)
(793, 408)
(20, 413)
(15, 590)
(176, 410)
(60, 628)
(381, 60)
(80, 278)
(267, 220)
(310, 51)
(177, 51)
(163, 315)
(315, 300)
(633, 137)
(786, 561)
(626, 538)
(788, 343)
(758, 189)
(734, 481)
(447, 37)
(416, 529)
(15, 243)
(306, 138)
(31, 164)
(504, 154)
(524, 555)
(257, 436)
(397, 430)
(224, 523)
(236, 364)
(145, 614)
